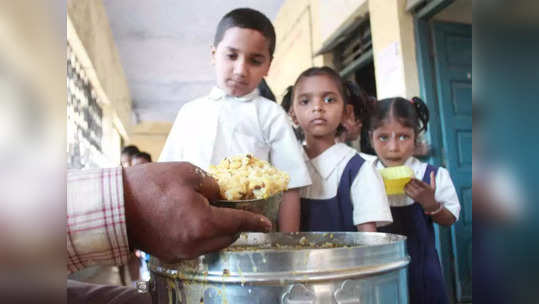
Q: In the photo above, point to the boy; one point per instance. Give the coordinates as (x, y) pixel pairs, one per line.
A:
(234, 119)
(126, 158)
(141, 158)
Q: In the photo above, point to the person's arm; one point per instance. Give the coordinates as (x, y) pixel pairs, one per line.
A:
(289, 211)
(96, 231)
(424, 194)
(444, 217)
(367, 227)
(369, 199)
(160, 208)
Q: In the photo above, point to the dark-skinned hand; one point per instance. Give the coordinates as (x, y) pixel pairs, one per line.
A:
(423, 193)
(168, 213)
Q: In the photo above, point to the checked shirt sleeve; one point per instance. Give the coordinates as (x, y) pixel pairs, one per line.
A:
(96, 232)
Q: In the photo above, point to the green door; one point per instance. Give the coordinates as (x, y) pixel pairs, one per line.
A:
(453, 73)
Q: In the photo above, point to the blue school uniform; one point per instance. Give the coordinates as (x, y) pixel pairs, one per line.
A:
(346, 191)
(425, 280)
(334, 214)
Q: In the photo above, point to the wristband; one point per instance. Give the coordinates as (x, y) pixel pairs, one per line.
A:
(435, 211)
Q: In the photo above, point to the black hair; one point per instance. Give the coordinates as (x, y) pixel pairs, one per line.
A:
(130, 150)
(144, 155)
(286, 102)
(327, 71)
(363, 106)
(411, 113)
(249, 19)
(265, 90)
(360, 101)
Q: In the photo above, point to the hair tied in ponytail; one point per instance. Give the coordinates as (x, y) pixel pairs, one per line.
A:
(415, 99)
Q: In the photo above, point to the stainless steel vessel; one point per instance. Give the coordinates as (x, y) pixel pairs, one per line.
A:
(268, 207)
(296, 268)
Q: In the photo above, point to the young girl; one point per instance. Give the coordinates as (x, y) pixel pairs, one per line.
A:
(430, 197)
(347, 193)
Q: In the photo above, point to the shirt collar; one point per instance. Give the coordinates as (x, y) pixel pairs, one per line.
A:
(217, 93)
(329, 160)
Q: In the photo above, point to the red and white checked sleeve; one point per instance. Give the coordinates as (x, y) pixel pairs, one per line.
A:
(96, 231)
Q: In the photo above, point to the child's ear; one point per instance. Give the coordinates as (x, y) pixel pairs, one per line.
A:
(213, 51)
(293, 116)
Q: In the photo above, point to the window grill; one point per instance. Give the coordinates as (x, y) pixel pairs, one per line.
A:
(356, 44)
(84, 118)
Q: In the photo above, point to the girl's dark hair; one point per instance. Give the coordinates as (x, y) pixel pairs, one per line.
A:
(360, 101)
(411, 113)
(249, 19)
(363, 105)
(286, 102)
(327, 71)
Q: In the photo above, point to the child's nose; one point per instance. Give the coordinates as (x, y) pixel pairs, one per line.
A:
(393, 144)
(240, 67)
(317, 105)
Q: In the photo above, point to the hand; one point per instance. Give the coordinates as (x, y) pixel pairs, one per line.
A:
(168, 213)
(423, 193)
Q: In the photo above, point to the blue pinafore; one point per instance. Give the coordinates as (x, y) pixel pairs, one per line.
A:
(425, 280)
(334, 214)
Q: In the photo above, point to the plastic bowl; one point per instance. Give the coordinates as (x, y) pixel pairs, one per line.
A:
(395, 178)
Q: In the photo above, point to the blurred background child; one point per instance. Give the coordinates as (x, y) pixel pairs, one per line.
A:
(127, 155)
(141, 158)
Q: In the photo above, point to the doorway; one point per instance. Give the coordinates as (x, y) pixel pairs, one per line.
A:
(444, 57)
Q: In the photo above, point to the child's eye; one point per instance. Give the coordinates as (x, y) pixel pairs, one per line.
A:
(329, 99)
(383, 138)
(256, 62)
(404, 137)
(303, 101)
(231, 56)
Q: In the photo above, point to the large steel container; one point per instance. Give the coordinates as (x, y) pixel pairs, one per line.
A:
(297, 268)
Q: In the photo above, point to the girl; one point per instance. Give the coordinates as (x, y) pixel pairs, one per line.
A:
(347, 193)
(394, 128)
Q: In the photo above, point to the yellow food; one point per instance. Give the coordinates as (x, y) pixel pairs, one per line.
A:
(395, 178)
(244, 177)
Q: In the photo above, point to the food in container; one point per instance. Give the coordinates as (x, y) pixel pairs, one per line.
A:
(245, 177)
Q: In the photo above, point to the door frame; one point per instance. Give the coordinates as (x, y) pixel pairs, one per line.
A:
(428, 92)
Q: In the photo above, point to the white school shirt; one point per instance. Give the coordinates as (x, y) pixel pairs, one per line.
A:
(445, 192)
(367, 192)
(216, 126)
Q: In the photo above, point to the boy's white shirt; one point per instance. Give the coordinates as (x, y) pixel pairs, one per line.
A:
(367, 192)
(445, 192)
(208, 129)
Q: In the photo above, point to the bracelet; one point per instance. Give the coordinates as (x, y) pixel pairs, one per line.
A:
(435, 211)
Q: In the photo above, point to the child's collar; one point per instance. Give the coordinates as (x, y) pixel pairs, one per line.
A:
(217, 93)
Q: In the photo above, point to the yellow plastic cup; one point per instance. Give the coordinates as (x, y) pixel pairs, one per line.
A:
(395, 178)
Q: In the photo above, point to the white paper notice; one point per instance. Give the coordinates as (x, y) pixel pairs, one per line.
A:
(391, 82)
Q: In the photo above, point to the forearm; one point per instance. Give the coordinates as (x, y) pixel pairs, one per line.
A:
(367, 227)
(289, 211)
(444, 217)
(96, 232)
